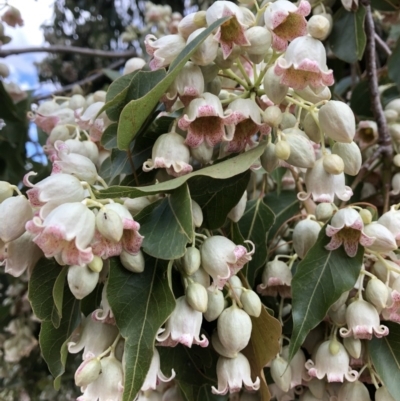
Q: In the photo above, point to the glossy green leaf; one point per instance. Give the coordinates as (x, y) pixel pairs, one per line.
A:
(58, 296)
(385, 5)
(141, 303)
(195, 367)
(111, 74)
(347, 39)
(136, 111)
(109, 137)
(8, 110)
(393, 65)
(167, 225)
(254, 225)
(226, 169)
(217, 197)
(284, 206)
(385, 355)
(321, 277)
(360, 101)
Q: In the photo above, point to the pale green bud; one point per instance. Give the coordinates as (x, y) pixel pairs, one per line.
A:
(273, 116)
(377, 293)
(282, 150)
(81, 280)
(305, 235)
(6, 190)
(96, 265)
(251, 303)
(275, 91)
(133, 263)
(191, 261)
(324, 211)
(333, 164)
(269, 161)
(281, 373)
(196, 297)
(319, 27)
(353, 346)
(88, 371)
(351, 156)
(311, 128)
(215, 304)
(288, 120)
(109, 224)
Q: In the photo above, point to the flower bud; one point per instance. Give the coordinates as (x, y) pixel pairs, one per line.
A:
(76, 102)
(281, 373)
(251, 303)
(197, 214)
(260, 41)
(236, 212)
(333, 164)
(391, 116)
(219, 348)
(59, 133)
(234, 328)
(237, 286)
(191, 23)
(353, 391)
(382, 394)
(203, 153)
(305, 235)
(377, 293)
(273, 88)
(301, 151)
(311, 128)
(317, 388)
(273, 116)
(87, 372)
(282, 150)
(191, 261)
(340, 301)
(133, 263)
(337, 121)
(269, 161)
(202, 277)
(196, 297)
(384, 239)
(6, 190)
(396, 160)
(314, 95)
(81, 280)
(353, 346)
(324, 211)
(133, 64)
(351, 156)
(215, 304)
(136, 205)
(288, 120)
(366, 216)
(338, 316)
(110, 225)
(319, 27)
(4, 70)
(96, 265)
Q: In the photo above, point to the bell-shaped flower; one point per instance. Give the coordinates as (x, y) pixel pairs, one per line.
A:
(72, 163)
(107, 241)
(85, 148)
(305, 235)
(303, 64)
(154, 375)
(363, 321)
(276, 279)
(170, 152)
(65, 233)
(92, 337)
(206, 53)
(21, 255)
(87, 372)
(286, 21)
(183, 326)
(231, 32)
(222, 259)
(382, 394)
(391, 220)
(109, 384)
(332, 361)
(297, 363)
(384, 239)
(233, 374)
(279, 395)
(12, 17)
(323, 186)
(247, 122)
(91, 121)
(347, 228)
(353, 391)
(58, 189)
(164, 50)
(204, 120)
(15, 212)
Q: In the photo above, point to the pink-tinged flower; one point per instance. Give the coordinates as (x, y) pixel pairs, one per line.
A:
(221, 258)
(233, 374)
(347, 228)
(323, 186)
(130, 240)
(279, 395)
(332, 361)
(303, 64)
(12, 17)
(154, 375)
(87, 372)
(90, 120)
(47, 120)
(163, 50)
(59, 188)
(231, 32)
(392, 311)
(92, 337)
(104, 314)
(246, 123)
(170, 152)
(385, 241)
(183, 326)
(204, 120)
(207, 52)
(363, 321)
(109, 384)
(20, 255)
(276, 279)
(65, 233)
(286, 21)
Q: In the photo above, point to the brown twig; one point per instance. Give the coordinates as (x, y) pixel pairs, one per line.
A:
(69, 49)
(384, 149)
(382, 44)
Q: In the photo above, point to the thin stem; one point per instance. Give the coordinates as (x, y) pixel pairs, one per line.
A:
(236, 78)
(382, 44)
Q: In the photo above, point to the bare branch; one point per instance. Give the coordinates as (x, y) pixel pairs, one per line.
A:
(382, 44)
(68, 49)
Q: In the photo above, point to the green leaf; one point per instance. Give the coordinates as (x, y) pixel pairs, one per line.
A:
(360, 101)
(321, 277)
(226, 169)
(112, 74)
(347, 39)
(141, 303)
(8, 110)
(136, 111)
(385, 5)
(254, 225)
(284, 206)
(40, 290)
(393, 64)
(109, 137)
(217, 197)
(277, 175)
(385, 355)
(167, 225)
(58, 296)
